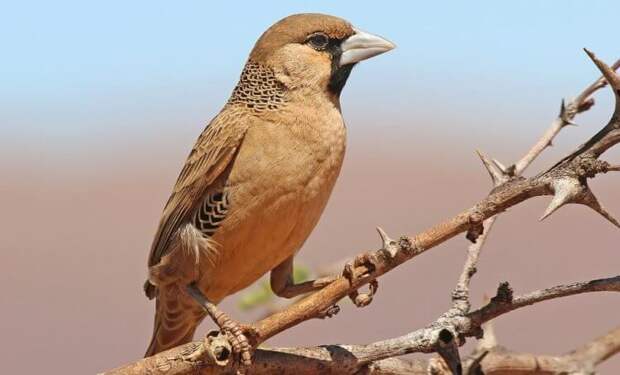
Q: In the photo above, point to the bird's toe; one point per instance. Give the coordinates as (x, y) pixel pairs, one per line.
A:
(368, 260)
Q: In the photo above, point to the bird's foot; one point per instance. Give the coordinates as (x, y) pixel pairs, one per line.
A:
(368, 260)
(218, 348)
(215, 346)
(236, 336)
(235, 331)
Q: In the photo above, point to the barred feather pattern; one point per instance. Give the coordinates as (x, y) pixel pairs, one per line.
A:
(258, 89)
(211, 213)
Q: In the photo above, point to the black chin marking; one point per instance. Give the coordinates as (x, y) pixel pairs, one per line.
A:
(339, 74)
(339, 77)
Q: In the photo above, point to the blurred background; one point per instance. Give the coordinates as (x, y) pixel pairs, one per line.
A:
(100, 103)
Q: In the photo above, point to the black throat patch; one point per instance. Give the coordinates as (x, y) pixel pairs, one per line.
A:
(339, 74)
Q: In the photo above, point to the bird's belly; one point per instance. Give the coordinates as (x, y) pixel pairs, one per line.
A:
(261, 250)
(271, 225)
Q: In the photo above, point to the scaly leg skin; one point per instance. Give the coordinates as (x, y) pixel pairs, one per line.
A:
(283, 285)
(233, 329)
(369, 261)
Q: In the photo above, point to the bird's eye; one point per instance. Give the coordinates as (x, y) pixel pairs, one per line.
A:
(318, 41)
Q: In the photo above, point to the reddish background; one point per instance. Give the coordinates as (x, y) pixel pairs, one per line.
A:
(76, 236)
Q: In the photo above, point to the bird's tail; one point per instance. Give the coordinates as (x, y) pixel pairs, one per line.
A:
(176, 319)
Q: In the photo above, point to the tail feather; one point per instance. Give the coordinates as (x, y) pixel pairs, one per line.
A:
(150, 290)
(176, 319)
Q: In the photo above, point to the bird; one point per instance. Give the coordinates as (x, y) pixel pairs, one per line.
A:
(257, 179)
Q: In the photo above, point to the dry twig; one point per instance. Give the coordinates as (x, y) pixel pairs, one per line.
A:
(451, 328)
(566, 181)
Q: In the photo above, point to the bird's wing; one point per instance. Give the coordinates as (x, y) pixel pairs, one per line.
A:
(213, 152)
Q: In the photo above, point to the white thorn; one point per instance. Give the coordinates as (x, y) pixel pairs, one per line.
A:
(496, 172)
(570, 190)
(387, 243)
(499, 165)
(589, 199)
(610, 75)
(564, 191)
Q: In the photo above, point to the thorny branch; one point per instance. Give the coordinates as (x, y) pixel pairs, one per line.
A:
(451, 328)
(500, 174)
(339, 359)
(566, 181)
(568, 111)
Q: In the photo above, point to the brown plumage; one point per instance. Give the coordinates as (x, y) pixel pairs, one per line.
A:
(259, 176)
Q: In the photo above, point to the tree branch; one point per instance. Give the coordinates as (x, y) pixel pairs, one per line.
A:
(503, 301)
(568, 111)
(566, 181)
(597, 351)
(498, 360)
(453, 326)
(500, 174)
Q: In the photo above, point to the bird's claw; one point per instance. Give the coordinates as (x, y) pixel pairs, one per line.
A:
(237, 338)
(369, 260)
(364, 299)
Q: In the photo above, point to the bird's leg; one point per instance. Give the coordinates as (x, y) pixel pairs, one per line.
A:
(233, 329)
(284, 286)
(369, 261)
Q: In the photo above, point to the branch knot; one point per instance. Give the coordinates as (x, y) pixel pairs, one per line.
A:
(408, 245)
(476, 228)
(588, 166)
(504, 293)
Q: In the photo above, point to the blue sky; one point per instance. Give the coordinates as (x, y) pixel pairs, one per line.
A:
(73, 70)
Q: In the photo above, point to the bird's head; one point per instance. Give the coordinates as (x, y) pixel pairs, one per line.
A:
(315, 51)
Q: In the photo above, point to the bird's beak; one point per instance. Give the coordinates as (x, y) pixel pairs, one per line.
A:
(361, 46)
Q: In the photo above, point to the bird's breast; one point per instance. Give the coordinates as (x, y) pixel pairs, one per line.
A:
(279, 185)
(298, 151)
